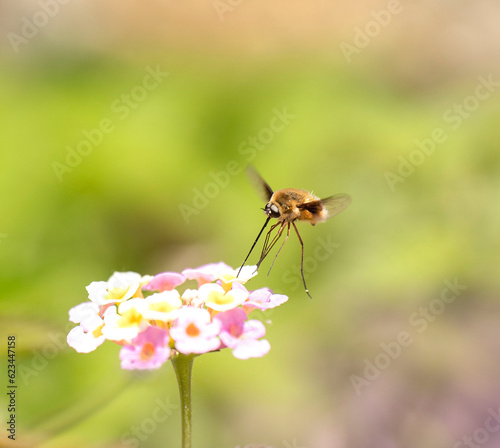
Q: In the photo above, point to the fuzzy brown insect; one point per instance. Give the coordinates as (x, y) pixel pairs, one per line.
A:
(287, 206)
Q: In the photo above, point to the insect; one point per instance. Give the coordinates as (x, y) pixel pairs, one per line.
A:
(287, 206)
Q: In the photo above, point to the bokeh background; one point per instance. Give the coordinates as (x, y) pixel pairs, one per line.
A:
(361, 82)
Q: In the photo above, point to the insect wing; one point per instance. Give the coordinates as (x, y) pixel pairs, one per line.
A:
(262, 186)
(336, 203)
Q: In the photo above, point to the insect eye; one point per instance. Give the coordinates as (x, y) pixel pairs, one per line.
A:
(272, 210)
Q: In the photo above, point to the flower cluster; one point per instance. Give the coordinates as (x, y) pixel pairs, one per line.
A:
(153, 321)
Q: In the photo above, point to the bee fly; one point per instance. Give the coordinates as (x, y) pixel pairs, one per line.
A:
(290, 205)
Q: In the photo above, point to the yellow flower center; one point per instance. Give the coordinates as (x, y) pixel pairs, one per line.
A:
(116, 294)
(219, 298)
(130, 318)
(138, 293)
(226, 282)
(162, 307)
(98, 331)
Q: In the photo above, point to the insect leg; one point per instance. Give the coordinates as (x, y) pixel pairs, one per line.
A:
(284, 241)
(302, 260)
(274, 240)
(253, 245)
(266, 241)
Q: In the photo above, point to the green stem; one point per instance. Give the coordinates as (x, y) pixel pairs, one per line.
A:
(183, 365)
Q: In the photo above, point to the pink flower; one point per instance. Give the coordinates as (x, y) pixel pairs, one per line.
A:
(263, 299)
(208, 272)
(193, 332)
(167, 322)
(166, 281)
(149, 350)
(241, 335)
(220, 271)
(232, 321)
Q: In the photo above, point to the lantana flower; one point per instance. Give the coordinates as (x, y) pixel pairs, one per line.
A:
(162, 306)
(153, 319)
(166, 281)
(219, 271)
(149, 350)
(242, 335)
(194, 332)
(215, 297)
(264, 299)
(120, 287)
(88, 335)
(125, 321)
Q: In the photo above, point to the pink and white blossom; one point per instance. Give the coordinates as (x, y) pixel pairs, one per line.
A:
(166, 281)
(153, 320)
(148, 350)
(241, 335)
(264, 299)
(220, 271)
(194, 332)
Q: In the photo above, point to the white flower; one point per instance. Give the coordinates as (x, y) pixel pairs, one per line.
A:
(162, 306)
(87, 336)
(193, 331)
(121, 286)
(125, 323)
(215, 296)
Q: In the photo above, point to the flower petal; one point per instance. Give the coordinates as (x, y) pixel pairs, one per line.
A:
(84, 342)
(214, 297)
(149, 350)
(208, 272)
(251, 348)
(166, 281)
(162, 306)
(193, 332)
(264, 299)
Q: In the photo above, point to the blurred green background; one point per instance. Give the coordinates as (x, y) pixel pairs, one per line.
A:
(134, 202)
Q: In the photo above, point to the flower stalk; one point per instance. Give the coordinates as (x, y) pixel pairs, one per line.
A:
(183, 366)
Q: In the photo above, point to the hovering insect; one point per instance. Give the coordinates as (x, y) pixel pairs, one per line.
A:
(287, 206)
